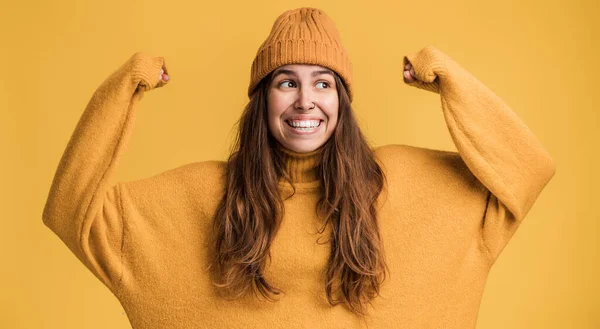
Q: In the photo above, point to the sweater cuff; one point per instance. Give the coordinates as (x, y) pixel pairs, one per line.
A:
(145, 70)
(428, 63)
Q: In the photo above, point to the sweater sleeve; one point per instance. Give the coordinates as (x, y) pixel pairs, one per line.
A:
(83, 207)
(498, 148)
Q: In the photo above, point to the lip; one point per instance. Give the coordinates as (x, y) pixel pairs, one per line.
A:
(304, 117)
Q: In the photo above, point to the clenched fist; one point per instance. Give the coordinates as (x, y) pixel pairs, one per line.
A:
(163, 76)
(409, 73)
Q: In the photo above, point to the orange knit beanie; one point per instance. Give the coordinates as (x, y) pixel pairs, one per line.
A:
(302, 36)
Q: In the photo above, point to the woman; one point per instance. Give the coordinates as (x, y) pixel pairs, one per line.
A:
(334, 233)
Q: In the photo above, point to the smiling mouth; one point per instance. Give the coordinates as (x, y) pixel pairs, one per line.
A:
(300, 127)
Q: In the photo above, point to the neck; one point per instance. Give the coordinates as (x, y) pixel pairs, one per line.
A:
(301, 167)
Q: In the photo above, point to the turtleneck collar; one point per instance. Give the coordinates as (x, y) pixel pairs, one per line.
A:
(302, 167)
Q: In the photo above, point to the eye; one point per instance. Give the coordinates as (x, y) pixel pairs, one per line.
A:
(326, 83)
(286, 81)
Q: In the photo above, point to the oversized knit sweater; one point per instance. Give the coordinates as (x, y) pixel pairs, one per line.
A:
(444, 217)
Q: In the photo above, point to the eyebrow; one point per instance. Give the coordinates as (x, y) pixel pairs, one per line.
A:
(290, 72)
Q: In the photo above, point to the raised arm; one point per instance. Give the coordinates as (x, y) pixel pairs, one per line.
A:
(494, 143)
(83, 207)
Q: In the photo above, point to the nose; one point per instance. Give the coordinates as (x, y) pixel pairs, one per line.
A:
(305, 99)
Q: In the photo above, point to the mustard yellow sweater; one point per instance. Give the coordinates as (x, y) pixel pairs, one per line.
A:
(445, 219)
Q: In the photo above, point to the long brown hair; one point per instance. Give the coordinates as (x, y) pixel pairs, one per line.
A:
(249, 214)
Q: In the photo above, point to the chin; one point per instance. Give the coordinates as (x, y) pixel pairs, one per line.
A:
(304, 147)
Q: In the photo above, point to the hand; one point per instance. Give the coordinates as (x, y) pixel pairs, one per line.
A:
(142, 64)
(163, 76)
(409, 73)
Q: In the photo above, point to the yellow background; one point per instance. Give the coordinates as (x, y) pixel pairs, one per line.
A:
(541, 57)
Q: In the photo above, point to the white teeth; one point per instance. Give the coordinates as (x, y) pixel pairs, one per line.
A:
(304, 124)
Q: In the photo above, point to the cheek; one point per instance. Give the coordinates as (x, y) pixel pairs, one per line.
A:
(275, 106)
(332, 122)
(274, 112)
(332, 111)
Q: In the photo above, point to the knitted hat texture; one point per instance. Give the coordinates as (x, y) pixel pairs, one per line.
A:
(302, 36)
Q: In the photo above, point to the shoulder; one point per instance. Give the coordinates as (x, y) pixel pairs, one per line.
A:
(414, 164)
(203, 177)
(192, 171)
(211, 169)
(396, 154)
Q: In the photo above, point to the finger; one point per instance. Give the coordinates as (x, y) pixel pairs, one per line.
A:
(408, 76)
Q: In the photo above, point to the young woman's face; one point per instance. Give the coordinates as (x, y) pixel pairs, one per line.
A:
(302, 106)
